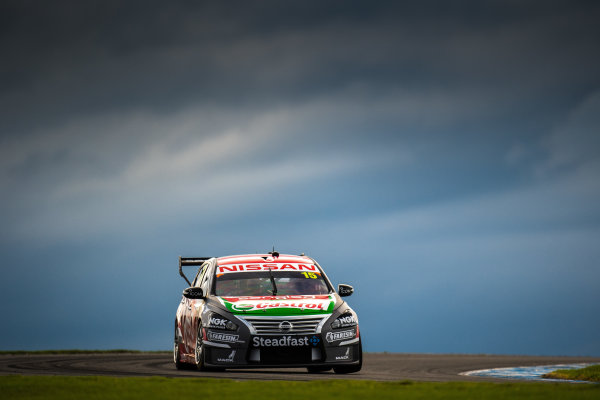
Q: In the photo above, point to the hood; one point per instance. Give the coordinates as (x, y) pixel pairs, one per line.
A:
(279, 305)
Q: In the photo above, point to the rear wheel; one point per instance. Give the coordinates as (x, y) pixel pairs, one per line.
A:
(176, 354)
(348, 369)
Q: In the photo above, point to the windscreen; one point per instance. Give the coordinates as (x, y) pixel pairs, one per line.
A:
(263, 283)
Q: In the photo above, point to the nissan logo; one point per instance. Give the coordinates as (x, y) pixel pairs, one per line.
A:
(285, 326)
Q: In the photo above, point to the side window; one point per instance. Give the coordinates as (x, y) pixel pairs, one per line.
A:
(201, 273)
(205, 279)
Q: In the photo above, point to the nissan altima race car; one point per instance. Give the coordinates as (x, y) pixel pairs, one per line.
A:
(265, 310)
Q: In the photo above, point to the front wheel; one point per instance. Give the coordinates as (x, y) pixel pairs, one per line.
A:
(199, 350)
(199, 354)
(348, 369)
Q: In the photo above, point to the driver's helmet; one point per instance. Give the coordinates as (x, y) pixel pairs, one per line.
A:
(307, 286)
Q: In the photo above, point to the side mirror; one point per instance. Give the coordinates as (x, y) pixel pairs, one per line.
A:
(345, 290)
(193, 293)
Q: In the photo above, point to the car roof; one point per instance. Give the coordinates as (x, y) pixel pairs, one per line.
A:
(263, 258)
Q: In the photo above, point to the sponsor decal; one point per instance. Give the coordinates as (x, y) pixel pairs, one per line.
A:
(347, 320)
(280, 305)
(226, 269)
(344, 290)
(335, 336)
(278, 298)
(346, 355)
(228, 359)
(315, 340)
(243, 307)
(285, 341)
(222, 337)
(216, 322)
(261, 306)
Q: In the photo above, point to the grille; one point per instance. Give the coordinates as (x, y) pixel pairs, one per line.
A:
(304, 325)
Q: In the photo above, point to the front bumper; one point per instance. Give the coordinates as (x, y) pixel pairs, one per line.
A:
(283, 351)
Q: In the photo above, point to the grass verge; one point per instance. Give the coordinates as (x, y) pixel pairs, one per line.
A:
(101, 387)
(591, 373)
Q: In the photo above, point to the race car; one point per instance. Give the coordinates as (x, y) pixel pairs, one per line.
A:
(265, 310)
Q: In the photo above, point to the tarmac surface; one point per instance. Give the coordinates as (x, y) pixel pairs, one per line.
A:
(376, 366)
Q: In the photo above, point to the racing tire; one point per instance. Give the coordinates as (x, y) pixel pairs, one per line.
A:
(176, 354)
(317, 370)
(199, 354)
(199, 350)
(177, 357)
(349, 369)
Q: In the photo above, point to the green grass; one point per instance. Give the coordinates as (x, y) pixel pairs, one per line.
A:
(101, 387)
(76, 351)
(591, 373)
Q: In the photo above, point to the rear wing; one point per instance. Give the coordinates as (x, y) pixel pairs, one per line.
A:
(190, 262)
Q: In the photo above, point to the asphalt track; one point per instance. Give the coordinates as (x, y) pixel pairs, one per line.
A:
(376, 366)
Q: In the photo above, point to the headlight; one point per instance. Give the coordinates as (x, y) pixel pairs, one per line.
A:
(343, 321)
(217, 321)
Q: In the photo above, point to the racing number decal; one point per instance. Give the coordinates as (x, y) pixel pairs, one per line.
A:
(310, 275)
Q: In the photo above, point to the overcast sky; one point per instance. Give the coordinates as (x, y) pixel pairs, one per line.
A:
(442, 157)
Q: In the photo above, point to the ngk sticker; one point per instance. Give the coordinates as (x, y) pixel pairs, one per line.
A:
(347, 320)
(217, 322)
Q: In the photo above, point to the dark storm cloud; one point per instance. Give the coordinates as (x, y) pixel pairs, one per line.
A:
(70, 58)
(414, 82)
(489, 71)
(458, 139)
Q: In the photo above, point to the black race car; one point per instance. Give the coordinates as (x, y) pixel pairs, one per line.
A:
(265, 310)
